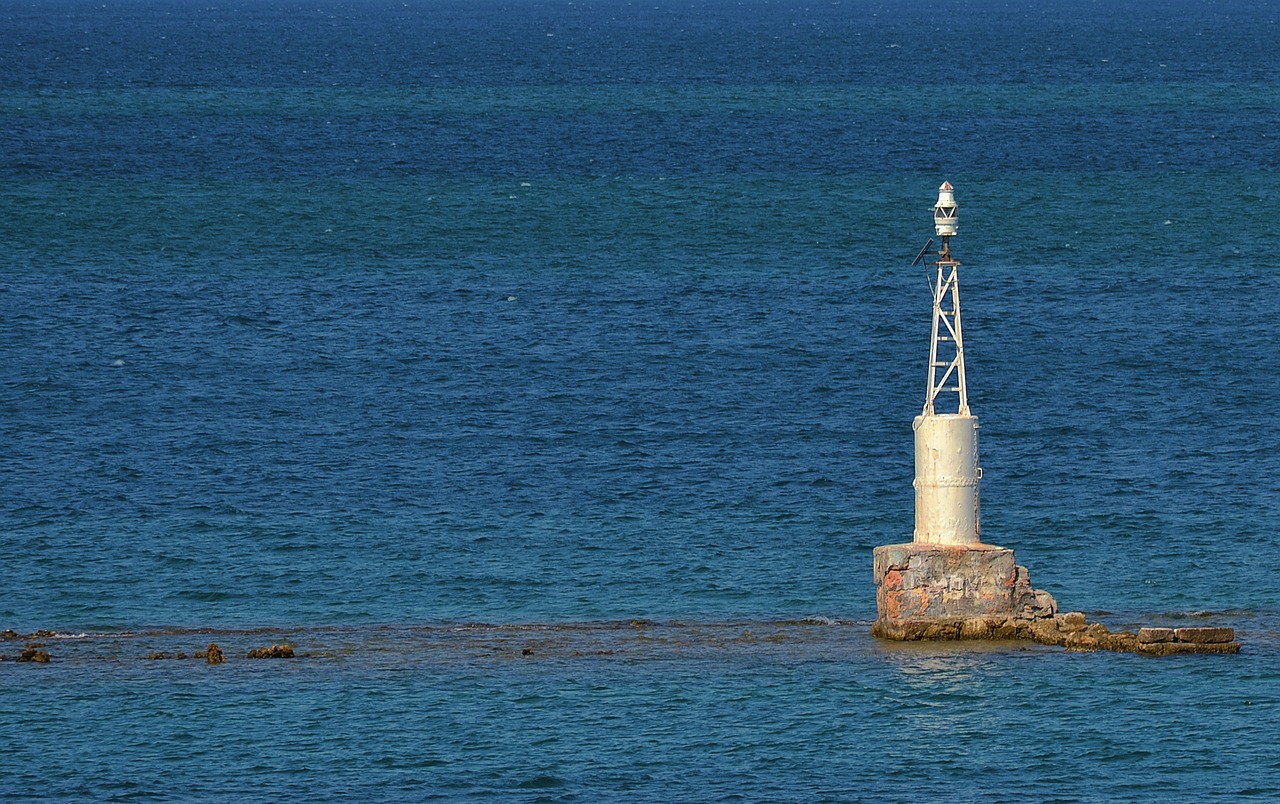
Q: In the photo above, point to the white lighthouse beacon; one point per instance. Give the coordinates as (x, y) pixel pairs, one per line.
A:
(946, 583)
(946, 441)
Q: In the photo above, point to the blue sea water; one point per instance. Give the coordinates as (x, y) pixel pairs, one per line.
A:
(544, 372)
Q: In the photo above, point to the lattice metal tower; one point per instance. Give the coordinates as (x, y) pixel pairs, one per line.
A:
(946, 347)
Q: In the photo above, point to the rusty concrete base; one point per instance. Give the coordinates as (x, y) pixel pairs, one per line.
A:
(934, 591)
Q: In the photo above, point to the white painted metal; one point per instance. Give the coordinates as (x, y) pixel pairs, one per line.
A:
(946, 346)
(946, 444)
(947, 477)
(946, 217)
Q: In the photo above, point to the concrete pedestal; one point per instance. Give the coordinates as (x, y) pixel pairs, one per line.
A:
(937, 591)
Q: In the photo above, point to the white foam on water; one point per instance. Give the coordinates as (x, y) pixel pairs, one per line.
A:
(818, 619)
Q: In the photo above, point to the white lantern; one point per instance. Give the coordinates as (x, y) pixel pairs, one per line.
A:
(945, 216)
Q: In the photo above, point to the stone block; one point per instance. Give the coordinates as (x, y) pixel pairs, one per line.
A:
(1205, 635)
(892, 580)
(1071, 621)
(1171, 648)
(1122, 642)
(1080, 641)
(947, 629)
(981, 627)
(1149, 636)
(1029, 603)
(1045, 632)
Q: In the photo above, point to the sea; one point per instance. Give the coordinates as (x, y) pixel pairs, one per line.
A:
(542, 372)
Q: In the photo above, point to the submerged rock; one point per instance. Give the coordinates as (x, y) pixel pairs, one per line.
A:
(273, 652)
(10, 635)
(213, 654)
(32, 653)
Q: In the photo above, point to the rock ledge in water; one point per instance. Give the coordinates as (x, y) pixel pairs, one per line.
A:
(32, 653)
(273, 652)
(1069, 630)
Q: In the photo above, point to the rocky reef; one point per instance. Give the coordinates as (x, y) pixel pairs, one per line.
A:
(273, 652)
(1070, 630)
(33, 653)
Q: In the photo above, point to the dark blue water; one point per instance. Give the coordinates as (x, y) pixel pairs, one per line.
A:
(543, 372)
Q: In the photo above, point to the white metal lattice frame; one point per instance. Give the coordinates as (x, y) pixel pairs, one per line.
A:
(946, 346)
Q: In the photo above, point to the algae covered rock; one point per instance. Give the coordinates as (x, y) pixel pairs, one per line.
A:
(273, 652)
(33, 653)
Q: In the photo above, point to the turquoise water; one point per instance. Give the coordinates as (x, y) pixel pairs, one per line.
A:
(543, 372)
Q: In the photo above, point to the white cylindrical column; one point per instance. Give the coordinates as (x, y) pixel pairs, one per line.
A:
(947, 476)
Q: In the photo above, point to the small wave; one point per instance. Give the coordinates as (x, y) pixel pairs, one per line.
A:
(540, 783)
(813, 619)
(1205, 614)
